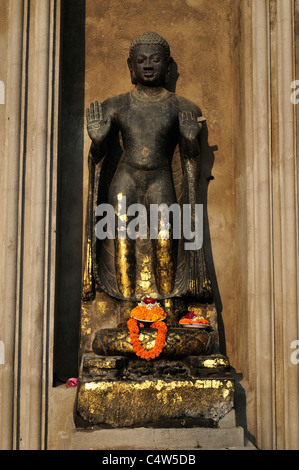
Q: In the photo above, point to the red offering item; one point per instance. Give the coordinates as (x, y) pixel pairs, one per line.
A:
(149, 300)
(190, 315)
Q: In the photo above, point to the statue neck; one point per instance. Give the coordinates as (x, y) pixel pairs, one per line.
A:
(150, 92)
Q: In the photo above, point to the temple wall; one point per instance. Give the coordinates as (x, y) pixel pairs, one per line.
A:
(236, 60)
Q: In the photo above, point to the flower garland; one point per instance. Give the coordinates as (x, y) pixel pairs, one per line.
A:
(160, 341)
(145, 313)
(147, 310)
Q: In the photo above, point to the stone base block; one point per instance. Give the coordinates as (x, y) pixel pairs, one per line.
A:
(157, 439)
(154, 403)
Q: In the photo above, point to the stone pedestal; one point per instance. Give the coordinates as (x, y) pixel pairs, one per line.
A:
(188, 385)
(117, 392)
(180, 342)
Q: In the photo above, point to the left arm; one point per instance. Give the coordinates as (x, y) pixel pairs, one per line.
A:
(190, 127)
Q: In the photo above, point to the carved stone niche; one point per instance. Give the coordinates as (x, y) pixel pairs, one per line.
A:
(189, 383)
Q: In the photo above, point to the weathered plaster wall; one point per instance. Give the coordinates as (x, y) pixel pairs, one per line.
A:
(201, 36)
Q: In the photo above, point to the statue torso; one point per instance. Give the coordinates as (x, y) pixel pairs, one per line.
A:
(149, 127)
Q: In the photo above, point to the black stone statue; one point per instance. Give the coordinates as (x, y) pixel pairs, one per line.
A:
(146, 149)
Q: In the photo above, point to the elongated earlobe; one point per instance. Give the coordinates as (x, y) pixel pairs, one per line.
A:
(168, 70)
(131, 68)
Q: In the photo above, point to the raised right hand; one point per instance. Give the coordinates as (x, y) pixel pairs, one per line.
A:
(97, 127)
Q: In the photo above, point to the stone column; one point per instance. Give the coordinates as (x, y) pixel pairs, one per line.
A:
(285, 224)
(268, 225)
(259, 202)
(29, 210)
(9, 195)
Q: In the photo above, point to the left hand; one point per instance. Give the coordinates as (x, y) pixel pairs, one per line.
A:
(190, 124)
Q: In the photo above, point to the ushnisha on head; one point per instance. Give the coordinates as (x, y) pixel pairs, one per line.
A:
(149, 39)
(149, 60)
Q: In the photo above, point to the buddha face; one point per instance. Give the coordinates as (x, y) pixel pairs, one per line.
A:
(149, 66)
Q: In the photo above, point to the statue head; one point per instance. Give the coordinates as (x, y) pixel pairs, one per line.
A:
(149, 60)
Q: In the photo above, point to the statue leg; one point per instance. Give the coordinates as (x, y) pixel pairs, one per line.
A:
(121, 195)
(125, 267)
(161, 191)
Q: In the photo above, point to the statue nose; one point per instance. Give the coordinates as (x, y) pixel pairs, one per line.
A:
(148, 65)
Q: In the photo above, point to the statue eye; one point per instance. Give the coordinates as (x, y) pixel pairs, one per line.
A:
(140, 60)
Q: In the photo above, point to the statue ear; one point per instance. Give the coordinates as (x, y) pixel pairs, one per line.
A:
(131, 68)
(168, 69)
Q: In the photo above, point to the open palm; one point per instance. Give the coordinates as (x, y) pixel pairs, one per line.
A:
(190, 124)
(97, 127)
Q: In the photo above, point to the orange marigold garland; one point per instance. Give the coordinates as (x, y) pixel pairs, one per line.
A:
(160, 341)
(141, 312)
(148, 310)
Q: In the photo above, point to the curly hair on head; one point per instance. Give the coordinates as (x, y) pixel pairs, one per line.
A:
(150, 38)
